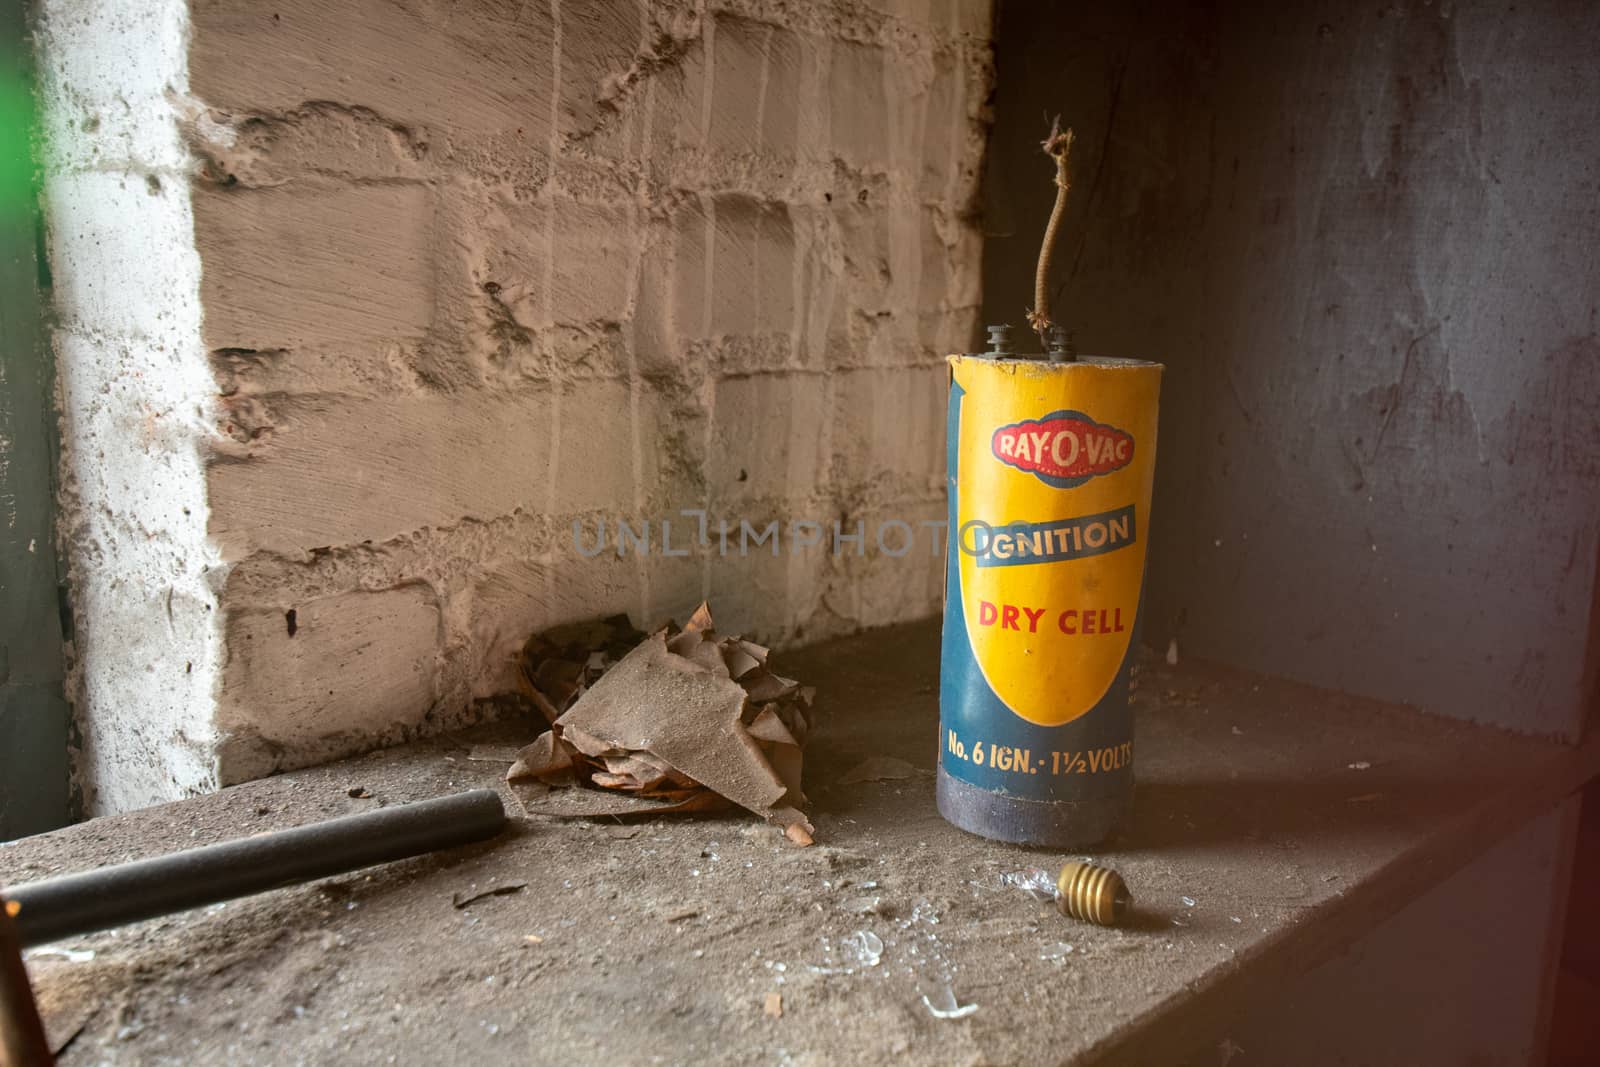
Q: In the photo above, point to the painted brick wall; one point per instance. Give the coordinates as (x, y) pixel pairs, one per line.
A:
(470, 273)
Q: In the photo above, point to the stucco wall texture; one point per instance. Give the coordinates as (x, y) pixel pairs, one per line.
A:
(469, 273)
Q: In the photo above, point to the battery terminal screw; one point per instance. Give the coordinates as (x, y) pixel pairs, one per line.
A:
(1059, 345)
(1000, 341)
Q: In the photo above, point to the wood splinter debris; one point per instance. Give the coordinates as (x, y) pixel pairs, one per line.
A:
(461, 900)
(773, 1007)
(685, 721)
(493, 753)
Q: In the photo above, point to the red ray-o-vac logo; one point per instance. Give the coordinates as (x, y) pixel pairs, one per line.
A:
(1064, 448)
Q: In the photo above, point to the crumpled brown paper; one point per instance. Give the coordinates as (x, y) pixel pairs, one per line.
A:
(686, 721)
(558, 664)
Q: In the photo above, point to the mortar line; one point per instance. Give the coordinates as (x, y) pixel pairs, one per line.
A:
(554, 152)
(552, 461)
(635, 270)
(709, 240)
(758, 148)
(958, 105)
(820, 311)
(797, 280)
(823, 456)
(903, 182)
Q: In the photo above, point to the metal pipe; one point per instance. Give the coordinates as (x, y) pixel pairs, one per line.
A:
(94, 900)
(22, 1038)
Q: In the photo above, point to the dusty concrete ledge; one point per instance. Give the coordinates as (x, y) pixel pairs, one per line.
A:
(663, 939)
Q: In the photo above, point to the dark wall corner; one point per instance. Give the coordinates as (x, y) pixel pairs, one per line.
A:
(34, 714)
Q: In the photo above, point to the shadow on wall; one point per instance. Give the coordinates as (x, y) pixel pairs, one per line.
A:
(1358, 239)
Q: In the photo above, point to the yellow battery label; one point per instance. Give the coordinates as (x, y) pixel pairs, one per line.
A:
(1052, 470)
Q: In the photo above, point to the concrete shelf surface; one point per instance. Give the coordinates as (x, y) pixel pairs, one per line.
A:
(1274, 824)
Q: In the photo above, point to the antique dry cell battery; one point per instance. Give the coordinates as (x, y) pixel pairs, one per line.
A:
(1050, 468)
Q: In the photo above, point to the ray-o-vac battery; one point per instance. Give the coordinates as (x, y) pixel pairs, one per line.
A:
(1050, 469)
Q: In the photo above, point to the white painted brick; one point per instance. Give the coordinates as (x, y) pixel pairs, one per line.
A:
(677, 101)
(941, 133)
(937, 269)
(966, 285)
(739, 53)
(106, 77)
(134, 390)
(767, 440)
(761, 595)
(299, 265)
(857, 104)
(670, 423)
(692, 240)
(757, 79)
(598, 45)
(585, 247)
(510, 599)
(108, 230)
(875, 587)
(594, 457)
(865, 254)
(347, 471)
(749, 267)
(654, 331)
(321, 137)
(941, 333)
(790, 56)
(592, 256)
(494, 280)
(354, 661)
(974, 18)
(899, 444)
(931, 14)
(478, 69)
(677, 585)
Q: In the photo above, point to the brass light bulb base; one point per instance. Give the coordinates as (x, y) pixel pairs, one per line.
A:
(1092, 894)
